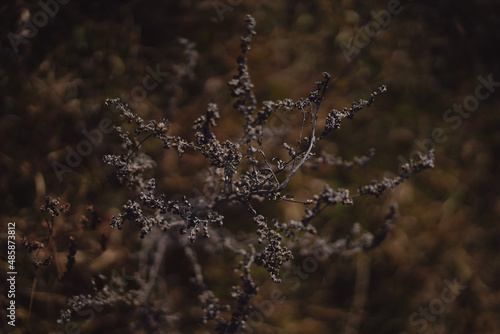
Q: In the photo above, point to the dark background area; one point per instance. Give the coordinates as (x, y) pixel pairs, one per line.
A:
(430, 56)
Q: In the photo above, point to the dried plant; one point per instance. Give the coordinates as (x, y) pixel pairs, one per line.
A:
(241, 172)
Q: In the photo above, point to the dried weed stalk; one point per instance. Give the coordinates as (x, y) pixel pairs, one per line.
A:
(241, 173)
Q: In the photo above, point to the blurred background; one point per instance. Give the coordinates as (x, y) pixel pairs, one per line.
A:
(432, 55)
